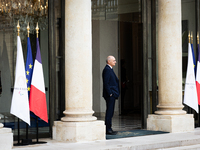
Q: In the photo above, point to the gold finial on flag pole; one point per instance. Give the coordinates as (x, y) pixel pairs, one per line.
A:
(28, 28)
(189, 37)
(18, 28)
(198, 37)
(37, 30)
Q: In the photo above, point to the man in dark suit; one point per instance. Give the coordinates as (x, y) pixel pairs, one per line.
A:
(110, 92)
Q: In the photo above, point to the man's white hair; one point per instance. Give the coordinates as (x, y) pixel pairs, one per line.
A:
(108, 58)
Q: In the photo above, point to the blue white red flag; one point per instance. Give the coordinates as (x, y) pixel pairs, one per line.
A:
(190, 93)
(37, 100)
(198, 76)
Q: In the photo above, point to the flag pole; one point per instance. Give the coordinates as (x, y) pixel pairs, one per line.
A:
(18, 30)
(27, 141)
(197, 60)
(37, 31)
(189, 37)
(19, 104)
(18, 131)
(37, 132)
(191, 111)
(189, 41)
(28, 28)
(31, 93)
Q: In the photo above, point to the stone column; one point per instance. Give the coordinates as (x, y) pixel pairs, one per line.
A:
(6, 137)
(78, 123)
(1, 125)
(170, 116)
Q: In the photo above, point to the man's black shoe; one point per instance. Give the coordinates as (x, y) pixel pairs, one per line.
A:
(111, 132)
(114, 132)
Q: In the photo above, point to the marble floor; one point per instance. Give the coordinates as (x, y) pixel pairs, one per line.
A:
(124, 122)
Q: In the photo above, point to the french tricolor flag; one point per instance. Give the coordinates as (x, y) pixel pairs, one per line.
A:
(198, 76)
(37, 100)
(190, 92)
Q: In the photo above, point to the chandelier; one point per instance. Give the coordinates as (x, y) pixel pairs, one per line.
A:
(25, 11)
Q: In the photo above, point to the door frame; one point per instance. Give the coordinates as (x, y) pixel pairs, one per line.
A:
(149, 46)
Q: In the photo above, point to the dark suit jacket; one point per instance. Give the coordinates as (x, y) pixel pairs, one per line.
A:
(110, 83)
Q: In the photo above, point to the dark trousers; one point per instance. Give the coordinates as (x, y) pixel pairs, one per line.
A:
(110, 105)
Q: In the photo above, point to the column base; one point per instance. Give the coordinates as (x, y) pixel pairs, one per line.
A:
(6, 138)
(78, 131)
(170, 123)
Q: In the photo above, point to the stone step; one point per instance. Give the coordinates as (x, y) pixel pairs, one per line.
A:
(176, 141)
(189, 147)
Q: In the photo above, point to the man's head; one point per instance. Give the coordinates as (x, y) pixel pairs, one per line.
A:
(111, 61)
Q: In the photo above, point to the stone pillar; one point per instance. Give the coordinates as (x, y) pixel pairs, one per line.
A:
(170, 116)
(78, 123)
(1, 125)
(6, 137)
